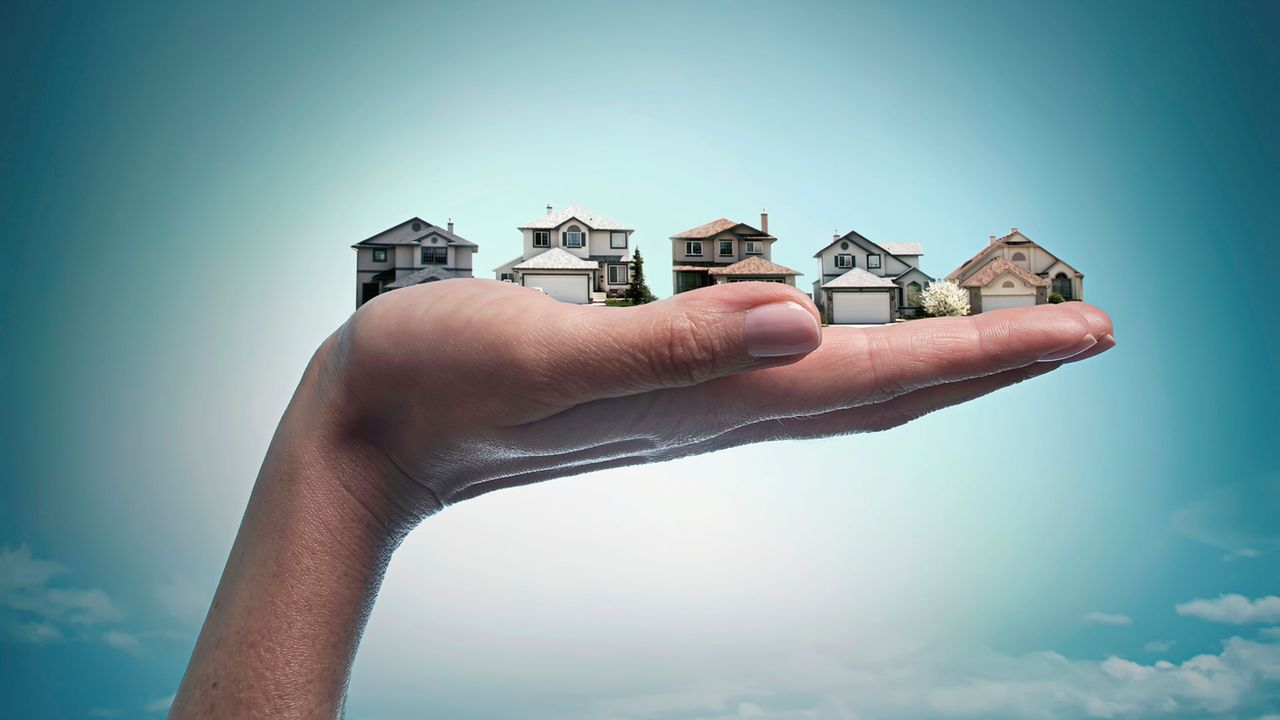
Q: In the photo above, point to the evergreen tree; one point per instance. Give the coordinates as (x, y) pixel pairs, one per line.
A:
(637, 291)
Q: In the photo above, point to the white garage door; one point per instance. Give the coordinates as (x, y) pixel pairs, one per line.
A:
(565, 288)
(1000, 302)
(859, 308)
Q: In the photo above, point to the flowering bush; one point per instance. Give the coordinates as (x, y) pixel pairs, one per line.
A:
(945, 298)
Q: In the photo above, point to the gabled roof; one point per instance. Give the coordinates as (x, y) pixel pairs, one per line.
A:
(590, 218)
(903, 248)
(403, 234)
(426, 274)
(753, 266)
(556, 259)
(998, 267)
(715, 227)
(1015, 237)
(853, 236)
(859, 278)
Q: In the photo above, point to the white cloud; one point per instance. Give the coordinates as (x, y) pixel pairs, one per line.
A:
(33, 611)
(1158, 646)
(1235, 518)
(122, 641)
(1233, 608)
(1271, 632)
(159, 705)
(1102, 618)
(36, 633)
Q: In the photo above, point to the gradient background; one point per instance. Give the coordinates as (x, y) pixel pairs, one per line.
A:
(178, 190)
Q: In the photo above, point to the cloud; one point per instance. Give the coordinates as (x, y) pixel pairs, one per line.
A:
(1270, 632)
(1158, 646)
(1233, 609)
(1102, 618)
(159, 705)
(1236, 518)
(122, 641)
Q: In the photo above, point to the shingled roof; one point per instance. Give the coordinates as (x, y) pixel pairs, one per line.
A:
(715, 227)
(556, 259)
(859, 278)
(404, 234)
(588, 217)
(903, 248)
(998, 267)
(753, 266)
(426, 274)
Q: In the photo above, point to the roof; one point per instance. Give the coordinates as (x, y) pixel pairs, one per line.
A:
(556, 259)
(691, 268)
(998, 267)
(1000, 242)
(426, 274)
(408, 236)
(851, 235)
(904, 248)
(859, 278)
(715, 227)
(609, 258)
(753, 266)
(590, 218)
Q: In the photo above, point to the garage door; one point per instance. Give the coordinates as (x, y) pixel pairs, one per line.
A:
(859, 308)
(1000, 302)
(565, 288)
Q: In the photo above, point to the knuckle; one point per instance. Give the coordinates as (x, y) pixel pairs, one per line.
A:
(684, 351)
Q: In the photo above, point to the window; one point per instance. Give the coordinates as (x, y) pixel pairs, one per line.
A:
(844, 261)
(1007, 284)
(1062, 286)
(380, 255)
(508, 277)
(844, 245)
(755, 247)
(542, 238)
(573, 236)
(618, 240)
(435, 255)
(693, 247)
(873, 260)
(1019, 257)
(915, 296)
(618, 275)
(417, 227)
(726, 248)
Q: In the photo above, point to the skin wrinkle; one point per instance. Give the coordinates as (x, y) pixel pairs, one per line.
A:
(435, 394)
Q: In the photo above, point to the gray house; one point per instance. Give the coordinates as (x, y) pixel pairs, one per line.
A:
(864, 283)
(575, 255)
(413, 252)
(724, 251)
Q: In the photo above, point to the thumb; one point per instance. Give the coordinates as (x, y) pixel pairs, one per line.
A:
(688, 339)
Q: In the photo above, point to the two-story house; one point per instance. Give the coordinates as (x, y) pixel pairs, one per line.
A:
(413, 252)
(725, 251)
(572, 254)
(1015, 271)
(862, 283)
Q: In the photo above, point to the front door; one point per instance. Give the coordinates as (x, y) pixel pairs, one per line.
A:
(368, 291)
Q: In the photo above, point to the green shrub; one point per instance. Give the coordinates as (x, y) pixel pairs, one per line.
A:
(1056, 298)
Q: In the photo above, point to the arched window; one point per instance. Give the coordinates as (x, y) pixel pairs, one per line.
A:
(573, 236)
(1019, 257)
(915, 296)
(1007, 284)
(1062, 285)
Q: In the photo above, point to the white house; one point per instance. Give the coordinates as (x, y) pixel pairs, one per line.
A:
(861, 282)
(1015, 271)
(572, 254)
(724, 251)
(413, 252)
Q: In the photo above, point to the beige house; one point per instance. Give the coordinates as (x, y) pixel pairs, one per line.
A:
(861, 282)
(725, 251)
(1015, 271)
(573, 255)
(413, 252)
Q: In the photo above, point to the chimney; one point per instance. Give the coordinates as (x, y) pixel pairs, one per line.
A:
(1013, 230)
(764, 221)
(835, 234)
(991, 239)
(548, 208)
(450, 224)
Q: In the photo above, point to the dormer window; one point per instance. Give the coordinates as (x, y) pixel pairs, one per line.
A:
(1019, 257)
(726, 248)
(573, 237)
(435, 255)
(693, 247)
(417, 227)
(844, 261)
(873, 261)
(379, 254)
(618, 240)
(754, 247)
(1007, 284)
(542, 238)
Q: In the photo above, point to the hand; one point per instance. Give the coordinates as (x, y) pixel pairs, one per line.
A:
(438, 393)
(463, 387)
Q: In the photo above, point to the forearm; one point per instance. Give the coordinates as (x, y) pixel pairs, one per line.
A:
(301, 578)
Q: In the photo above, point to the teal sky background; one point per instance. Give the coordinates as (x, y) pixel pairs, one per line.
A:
(179, 188)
